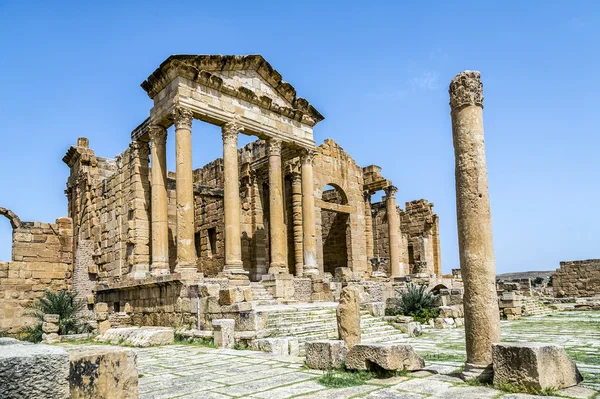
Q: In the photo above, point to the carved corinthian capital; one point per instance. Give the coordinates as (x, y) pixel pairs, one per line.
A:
(274, 146)
(182, 117)
(230, 131)
(157, 134)
(308, 156)
(466, 89)
(390, 191)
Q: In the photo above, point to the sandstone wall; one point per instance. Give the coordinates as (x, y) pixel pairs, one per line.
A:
(579, 278)
(42, 259)
(420, 240)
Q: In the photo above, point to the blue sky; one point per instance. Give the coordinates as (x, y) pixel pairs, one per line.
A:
(378, 71)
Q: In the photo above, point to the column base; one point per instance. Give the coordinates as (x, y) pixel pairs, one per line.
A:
(139, 272)
(278, 268)
(235, 269)
(187, 271)
(481, 372)
(160, 269)
(378, 274)
(310, 271)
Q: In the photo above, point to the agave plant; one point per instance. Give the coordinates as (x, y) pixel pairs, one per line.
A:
(63, 303)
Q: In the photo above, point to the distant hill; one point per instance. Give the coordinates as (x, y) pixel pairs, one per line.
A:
(520, 275)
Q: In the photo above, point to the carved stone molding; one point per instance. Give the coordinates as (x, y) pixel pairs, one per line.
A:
(157, 134)
(182, 117)
(390, 191)
(274, 146)
(308, 156)
(466, 89)
(230, 131)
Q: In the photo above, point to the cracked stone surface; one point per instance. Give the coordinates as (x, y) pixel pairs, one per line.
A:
(186, 371)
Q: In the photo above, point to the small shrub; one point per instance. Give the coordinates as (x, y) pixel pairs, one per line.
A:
(416, 302)
(63, 303)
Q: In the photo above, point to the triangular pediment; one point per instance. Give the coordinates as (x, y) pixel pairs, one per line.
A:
(249, 77)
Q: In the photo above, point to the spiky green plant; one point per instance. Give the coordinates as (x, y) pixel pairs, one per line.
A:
(417, 302)
(63, 303)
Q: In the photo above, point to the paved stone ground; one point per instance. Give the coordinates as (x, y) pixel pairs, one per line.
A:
(185, 371)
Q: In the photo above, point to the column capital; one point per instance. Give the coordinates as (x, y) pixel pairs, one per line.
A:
(367, 196)
(308, 156)
(182, 117)
(274, 146)
(230, 131)
(390, 191)
(158, 134)
(466, 89)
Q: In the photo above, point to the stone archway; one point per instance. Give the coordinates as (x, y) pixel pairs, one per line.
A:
(335, 228)
(14, 220)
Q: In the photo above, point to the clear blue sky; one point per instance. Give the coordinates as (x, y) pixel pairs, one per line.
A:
(378, 71)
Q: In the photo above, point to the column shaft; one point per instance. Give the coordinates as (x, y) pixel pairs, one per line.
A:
(233, 244)
(276, 219)
(394, 232)
(160, 224)
(477, 264)
(369, 232)
(186, 252)
(308, 215)
(297, 222)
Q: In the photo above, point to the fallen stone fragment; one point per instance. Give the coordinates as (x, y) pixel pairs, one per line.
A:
(348, 316)
(326, 354)
(103, 373)
(534, 365)
(392, 357)
(138, 336)
(34, 371)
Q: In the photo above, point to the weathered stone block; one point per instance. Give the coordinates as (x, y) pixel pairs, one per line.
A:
(326, 354)
(103, 373)
(34, 371)
(223, 332)
(51, 318)
(414, 329)
(386, 356)
(228, 296)
(348, 316)
(275, 346)
(101, 307)
(534, 365)
(138, 336)
(103, 326)
(49, 328)
(376, 309)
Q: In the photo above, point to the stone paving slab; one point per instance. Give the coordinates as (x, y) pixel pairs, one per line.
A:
(188, 371)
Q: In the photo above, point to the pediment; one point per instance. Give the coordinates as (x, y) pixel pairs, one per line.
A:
(248, 77)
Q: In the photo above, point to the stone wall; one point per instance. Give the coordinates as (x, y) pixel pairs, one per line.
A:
(42, 259)
(579, 278)
(420, 240)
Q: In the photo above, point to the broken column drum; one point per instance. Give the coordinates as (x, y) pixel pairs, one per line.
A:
(477, 264)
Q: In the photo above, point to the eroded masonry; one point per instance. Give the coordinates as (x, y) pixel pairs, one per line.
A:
(281, 214)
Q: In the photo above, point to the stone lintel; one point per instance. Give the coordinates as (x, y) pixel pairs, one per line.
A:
(330, 206)
(375, 186)
(151, 281)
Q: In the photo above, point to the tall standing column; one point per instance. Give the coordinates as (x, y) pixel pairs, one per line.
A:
(276, 224)
(393, 231)
(308, 215)
(369, 231)
(233, 243)
(186, 253)
(297, 221)
(160, 223)
(477, 264)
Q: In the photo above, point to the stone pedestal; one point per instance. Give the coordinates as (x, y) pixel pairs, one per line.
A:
(477, 264)
(280, 286)
(394, 231)
(223, 333)
(233, 245)
(276, 220)
(160, 223)
(186, 252)
(308, 215)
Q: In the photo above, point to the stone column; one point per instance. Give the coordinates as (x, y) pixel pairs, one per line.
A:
(394, 231)
(233, 237)
(308, 214)
(369, 231)
(276, 219)
(297, 221)
(186, 253)
(477, 264)
(160, 224)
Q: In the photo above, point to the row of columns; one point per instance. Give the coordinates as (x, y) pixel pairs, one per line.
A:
(393, 230)
(186, 252)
